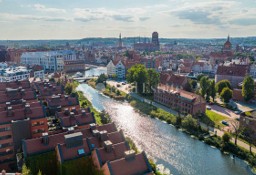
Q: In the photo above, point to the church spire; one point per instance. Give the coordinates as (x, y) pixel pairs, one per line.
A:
(228, 37)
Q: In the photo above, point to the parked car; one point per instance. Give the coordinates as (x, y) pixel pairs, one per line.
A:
(224, 122)
(208, 108)
(237, 112)
(123, 83)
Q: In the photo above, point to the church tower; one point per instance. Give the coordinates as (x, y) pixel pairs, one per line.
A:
(120, 43)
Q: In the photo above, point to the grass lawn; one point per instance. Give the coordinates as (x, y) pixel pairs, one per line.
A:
(215, 117)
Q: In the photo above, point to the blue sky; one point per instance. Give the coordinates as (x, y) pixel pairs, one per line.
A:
(66, 19)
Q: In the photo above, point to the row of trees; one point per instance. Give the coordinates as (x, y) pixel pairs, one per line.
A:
(223, 88)
(145, 79)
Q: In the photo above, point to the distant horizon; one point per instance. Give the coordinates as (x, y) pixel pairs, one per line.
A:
(47, 19)
(130, 37)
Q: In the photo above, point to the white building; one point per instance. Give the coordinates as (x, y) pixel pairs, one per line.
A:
(117, 69)
(111, 68)
(120, 70)
(50, 60)
(10, 74)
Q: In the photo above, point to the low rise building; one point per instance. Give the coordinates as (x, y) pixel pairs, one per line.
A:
(248, 122)
(234, 74)
(180, 100)
(13, 73)
(49, 60)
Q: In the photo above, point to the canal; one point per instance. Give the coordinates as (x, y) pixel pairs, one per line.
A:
(174, 149)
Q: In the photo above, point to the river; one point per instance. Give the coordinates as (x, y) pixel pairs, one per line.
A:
(174, 149)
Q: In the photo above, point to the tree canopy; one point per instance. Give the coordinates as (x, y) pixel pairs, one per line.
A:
(226, 94)
(248, 88)
(222, 84)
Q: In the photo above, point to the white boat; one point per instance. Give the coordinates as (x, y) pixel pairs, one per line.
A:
(78, 74)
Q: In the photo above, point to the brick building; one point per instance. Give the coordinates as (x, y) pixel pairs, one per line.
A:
(177, 99)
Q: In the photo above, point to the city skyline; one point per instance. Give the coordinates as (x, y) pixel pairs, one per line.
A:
(61, 19)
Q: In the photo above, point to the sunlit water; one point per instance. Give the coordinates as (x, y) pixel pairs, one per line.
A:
(168, 146)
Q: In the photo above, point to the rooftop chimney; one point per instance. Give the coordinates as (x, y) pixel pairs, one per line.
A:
(108, 145)
(8, 104)
(83, 112)
(66, 111)
(103, 135)
(92, 126)
(95, 133)
(72, 114)
(129, 155)
(27, 109)
(66, 97)
(9, 111)
(45, 138)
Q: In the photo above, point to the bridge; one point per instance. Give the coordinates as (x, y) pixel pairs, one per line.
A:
(82, 79)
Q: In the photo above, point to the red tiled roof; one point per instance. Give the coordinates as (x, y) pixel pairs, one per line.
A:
(117, 152)
(28, 95)
(24, 84)
(115, 137)
(172, 79)
(233, 70)
(138, 165)
(71, 153)
(62, 101)
(20, 114)
(79, 120)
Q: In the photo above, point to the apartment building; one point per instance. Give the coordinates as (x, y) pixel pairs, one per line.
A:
(180, 100)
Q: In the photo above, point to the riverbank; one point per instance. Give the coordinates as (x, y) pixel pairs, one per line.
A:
(84, 102)
(192, 127)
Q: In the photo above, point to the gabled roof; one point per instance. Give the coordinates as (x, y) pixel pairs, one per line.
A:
(233, 70)
(21, 114)
(138, 165)
(24, 84)
(71, 153)
(117, 152)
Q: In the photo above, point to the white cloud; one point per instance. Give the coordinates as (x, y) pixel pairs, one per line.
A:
(43, 8)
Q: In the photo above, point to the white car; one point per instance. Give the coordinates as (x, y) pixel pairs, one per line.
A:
(208, 108)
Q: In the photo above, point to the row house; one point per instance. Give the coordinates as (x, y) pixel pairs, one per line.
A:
(234, 74)
(45, 89)
(57, 102)
(116, 69)
(24, 84)
(27, 117)
(178, 99)
(76, 118)
(104, 144)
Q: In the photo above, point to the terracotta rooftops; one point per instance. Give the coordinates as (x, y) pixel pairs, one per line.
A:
(48, 88)
(111, 151)
(15, 94)
(24, 84)
(36, 145)
(131, 164)
(171, 78)
(62, 100)
(80, 119)
(98, 140)
(233, 70)
(19, 114)
(181, 93)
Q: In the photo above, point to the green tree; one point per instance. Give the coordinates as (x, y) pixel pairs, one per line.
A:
(189, 123)
(138, 74)
(203, 85)
(213, 90)
(118, 93)
(248, 88)
(226, 94)
(101, 79)
(226, 138)
(39, 172)
(153, 79)
(69, 88)
(25, 170)
(188, 87)
(222, 84)
(193, 83)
